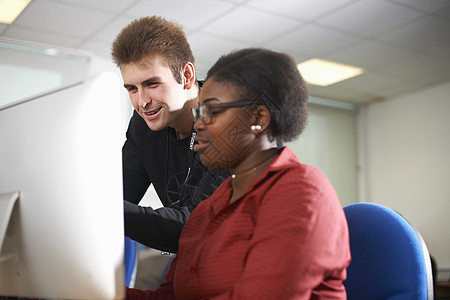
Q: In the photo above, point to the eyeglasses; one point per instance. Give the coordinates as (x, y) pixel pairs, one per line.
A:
(204, 112)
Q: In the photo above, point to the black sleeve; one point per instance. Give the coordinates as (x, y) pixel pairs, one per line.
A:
(135, 178)
(161, 228)
(157, 228)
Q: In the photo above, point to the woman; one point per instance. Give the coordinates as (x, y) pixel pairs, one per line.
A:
(275, 228)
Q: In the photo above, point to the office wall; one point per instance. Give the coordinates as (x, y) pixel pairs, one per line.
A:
(329, 143)
(407, 152)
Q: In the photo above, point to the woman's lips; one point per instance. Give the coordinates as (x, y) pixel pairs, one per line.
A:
(200, 147)
(200, 144)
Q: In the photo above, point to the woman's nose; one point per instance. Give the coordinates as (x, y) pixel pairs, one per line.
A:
(199, 125)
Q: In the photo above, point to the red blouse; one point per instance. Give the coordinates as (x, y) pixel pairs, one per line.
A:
(285, 238)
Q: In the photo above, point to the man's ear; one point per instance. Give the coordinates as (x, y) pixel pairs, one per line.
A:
(188, 75)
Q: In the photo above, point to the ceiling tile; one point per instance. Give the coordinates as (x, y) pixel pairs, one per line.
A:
(368, 18)
(415, 66)
(369, 54)
(306, 10)
(108, 33)
(312, 40)
(235, 1)
(426, 6)
(399, 87)
(444, 13)
(436, 77)
(188, 13)
(442, 51)
(339, 94)
(368, 82)
(209, 48)
(115, 6)
(423, 34)
(63, 18)
(250, 25)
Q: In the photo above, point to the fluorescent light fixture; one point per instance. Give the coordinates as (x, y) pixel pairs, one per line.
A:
(51, 51)
(11, 9)
(323, 73)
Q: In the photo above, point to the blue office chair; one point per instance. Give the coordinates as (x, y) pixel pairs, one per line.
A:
(131, 261)
(389, 257)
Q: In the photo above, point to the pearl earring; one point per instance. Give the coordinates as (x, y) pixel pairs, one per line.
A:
(255, 127)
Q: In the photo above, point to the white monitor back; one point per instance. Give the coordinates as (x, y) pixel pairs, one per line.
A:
(62, 153)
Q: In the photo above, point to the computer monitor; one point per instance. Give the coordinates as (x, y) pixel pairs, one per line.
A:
(61, 205)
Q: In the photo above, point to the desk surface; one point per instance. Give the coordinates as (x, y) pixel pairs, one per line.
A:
(442, 290)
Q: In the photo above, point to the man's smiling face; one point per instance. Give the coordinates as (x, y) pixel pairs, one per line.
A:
(154, 92)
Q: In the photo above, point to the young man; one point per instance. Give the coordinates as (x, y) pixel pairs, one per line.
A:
(157, 67)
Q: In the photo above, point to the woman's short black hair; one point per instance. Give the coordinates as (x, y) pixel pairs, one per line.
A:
(253, 71)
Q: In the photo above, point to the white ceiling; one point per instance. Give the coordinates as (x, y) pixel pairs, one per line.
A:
(404, 45)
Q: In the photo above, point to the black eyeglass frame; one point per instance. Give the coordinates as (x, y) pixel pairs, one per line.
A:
(262, 98)
(198, 113)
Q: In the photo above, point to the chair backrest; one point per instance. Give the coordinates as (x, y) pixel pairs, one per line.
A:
(389, 258)
(131, 261)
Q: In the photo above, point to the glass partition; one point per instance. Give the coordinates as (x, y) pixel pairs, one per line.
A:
(30, 69)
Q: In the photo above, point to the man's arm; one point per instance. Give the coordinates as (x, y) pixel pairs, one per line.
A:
(157, 228)
(161, 228)
(135, 177)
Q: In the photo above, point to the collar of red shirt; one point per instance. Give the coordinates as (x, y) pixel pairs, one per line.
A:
(285, 160)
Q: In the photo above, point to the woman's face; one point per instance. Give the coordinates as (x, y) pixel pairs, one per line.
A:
(225, 141)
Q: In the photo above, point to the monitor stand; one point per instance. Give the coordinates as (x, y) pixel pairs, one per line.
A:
(7, 202)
